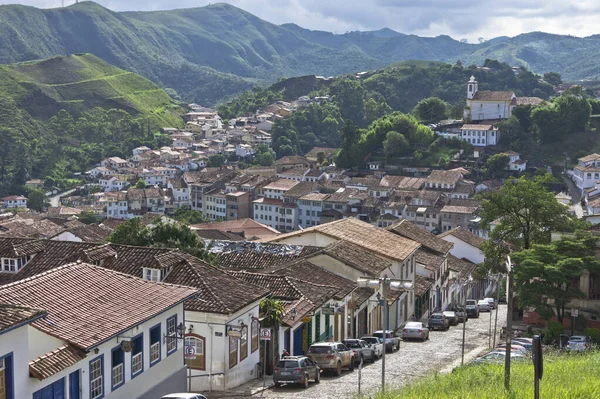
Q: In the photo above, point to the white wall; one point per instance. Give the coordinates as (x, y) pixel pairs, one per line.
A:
(17, 343)
(141, 383)
(218, 376)
(67, 236)
(463, 250)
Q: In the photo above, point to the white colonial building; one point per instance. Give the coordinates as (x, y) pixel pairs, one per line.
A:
(88, 333)
(480, 135)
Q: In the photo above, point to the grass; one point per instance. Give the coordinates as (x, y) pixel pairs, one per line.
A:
(566, 376)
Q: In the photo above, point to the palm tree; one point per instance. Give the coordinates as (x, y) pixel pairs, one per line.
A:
(271, 311)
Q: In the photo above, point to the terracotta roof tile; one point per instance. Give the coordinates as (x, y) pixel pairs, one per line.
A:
(280, 287)
(307, 271)
(215, 234)
(493, 96)
(444, 176)
(420, 235)
(429, 260)
(357, 257)
(55, 361)
(252, 256)
(250, 228)
(98, 253)
(364, 235)
(464, 267)
(15, 315)
(422, 284)
(89, 304)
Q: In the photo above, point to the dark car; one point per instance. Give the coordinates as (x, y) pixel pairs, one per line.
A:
(451, 316)
(437, 321)
(472, 308)
(362, 350)
(296, 370)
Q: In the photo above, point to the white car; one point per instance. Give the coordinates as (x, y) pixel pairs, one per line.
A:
(578, 343)
(492, 302)
(497, 357)
(484, 306)
(376, 344)
(416, 330)
(184, 396)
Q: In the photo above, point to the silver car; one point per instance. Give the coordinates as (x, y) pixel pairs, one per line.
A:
(579, 343)
(484, 306)
(415, 330)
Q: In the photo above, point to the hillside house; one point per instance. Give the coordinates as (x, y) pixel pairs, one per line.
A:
(14, 201)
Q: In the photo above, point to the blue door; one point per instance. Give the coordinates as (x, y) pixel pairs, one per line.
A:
(74, 385)
(52, 391)
(298, 341)
(286, 340)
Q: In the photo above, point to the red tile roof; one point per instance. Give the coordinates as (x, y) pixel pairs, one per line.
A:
(55, 361)
(14, 315)
(88, 304)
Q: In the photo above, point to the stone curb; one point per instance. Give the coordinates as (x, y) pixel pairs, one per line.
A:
(468, 357)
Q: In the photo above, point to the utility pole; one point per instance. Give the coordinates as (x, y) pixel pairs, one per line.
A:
(384, 283)
(509, 302)
(462, 358)
(497, 305)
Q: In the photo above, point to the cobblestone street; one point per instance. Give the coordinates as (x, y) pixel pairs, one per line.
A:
(414, 359)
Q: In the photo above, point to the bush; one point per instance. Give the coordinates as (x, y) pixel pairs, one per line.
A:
(552, 332)
(594, 334)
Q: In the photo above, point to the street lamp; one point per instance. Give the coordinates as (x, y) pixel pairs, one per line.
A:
(385, 283)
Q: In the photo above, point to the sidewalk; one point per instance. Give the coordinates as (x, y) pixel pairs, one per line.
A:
(468, 357)
(251, 388)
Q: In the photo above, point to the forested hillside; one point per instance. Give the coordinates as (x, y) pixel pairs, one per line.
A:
(367, 102)
(208, 54)
(61, 115)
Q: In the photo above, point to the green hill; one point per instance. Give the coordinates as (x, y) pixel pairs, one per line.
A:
(61, 115)
(78, 83)
(208, 54)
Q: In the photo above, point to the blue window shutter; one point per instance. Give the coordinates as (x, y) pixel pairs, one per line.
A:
(59, 389)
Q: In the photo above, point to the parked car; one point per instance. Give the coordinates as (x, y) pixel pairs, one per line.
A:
(513, 347)
(484, 306)
(472, 309)
(497, 356)
(579, 343)
(362, 350)
(376, 344)
(392, 341)
(296, 370)
(184, 396)
(415, 330)
(437, 321)
(451, 316)
(527, 343)
(461, 313)
(332, 356)
(492, 302)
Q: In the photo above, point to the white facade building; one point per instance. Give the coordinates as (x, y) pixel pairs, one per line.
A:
(587, 172)
(480, 135)
(15, 201)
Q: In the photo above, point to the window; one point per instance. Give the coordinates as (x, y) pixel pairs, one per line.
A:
(151, 274)
(233, 351)
(199, 362)
(118, 364)
(137, 355)
(96, 377)
(171, 334)
(244, 343)
(254, 343)
(52, 391)
(154, 345)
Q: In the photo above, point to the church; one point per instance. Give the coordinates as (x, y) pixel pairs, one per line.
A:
(485, 105)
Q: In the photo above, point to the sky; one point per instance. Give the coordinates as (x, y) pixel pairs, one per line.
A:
(457, 18)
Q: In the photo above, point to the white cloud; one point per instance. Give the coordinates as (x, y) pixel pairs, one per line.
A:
(457, 18)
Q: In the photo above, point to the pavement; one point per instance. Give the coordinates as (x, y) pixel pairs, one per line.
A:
(440, 354)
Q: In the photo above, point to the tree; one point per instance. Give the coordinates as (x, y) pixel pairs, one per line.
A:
(89, 217)
(496, 165)
(216, 160)
(271, 311)
(545, 273)
(395, 144)
(431, 109)
(525, 213)
(140, 184)
(553, 78)
(348, 156)
(187, 216)
(165, 235)
(36, 200)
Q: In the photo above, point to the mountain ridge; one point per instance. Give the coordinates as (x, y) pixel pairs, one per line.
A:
(207, 54)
